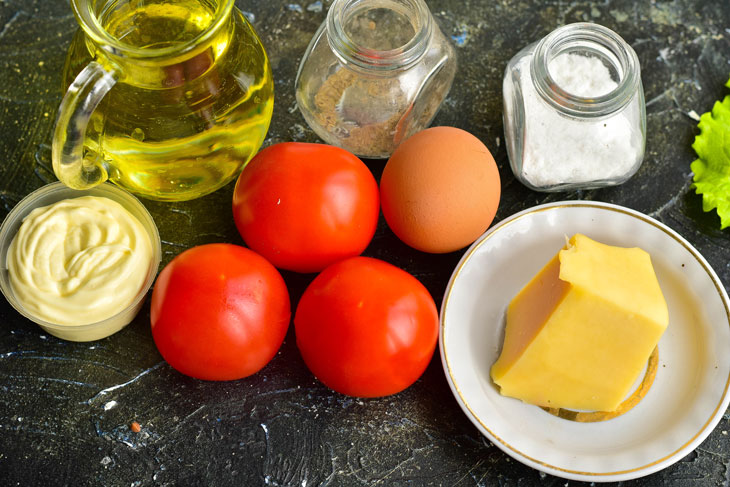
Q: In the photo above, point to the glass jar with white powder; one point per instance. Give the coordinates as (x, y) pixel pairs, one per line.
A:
(574, 112)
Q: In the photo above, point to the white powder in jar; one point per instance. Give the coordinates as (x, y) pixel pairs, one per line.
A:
(559, 149)
(581, 75)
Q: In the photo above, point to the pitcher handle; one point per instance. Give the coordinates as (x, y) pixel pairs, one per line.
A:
(72, 167)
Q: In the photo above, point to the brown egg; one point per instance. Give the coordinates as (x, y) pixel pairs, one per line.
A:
(440, 190)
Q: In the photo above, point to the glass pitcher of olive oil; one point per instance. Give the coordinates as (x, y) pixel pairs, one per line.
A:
(166, 98)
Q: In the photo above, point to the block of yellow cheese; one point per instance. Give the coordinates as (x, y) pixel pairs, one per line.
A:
(580, 332)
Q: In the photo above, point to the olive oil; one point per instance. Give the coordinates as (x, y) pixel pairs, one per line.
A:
(192, 103)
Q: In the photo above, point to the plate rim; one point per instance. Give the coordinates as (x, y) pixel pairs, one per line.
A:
(619, 475)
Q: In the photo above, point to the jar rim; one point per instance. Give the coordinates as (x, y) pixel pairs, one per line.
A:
(375, 60)
(88, 19)
(560, 40)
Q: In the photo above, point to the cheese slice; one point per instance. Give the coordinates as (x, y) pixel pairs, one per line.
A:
(580, 332)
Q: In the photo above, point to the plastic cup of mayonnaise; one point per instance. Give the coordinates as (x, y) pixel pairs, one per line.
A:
(48, 195)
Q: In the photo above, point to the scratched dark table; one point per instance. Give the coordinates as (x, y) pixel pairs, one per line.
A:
(66, 408)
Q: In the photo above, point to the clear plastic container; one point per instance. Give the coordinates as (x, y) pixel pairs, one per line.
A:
(574, 111)
(375, 72)
(52, 193)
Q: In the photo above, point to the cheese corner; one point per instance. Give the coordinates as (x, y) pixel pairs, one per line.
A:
(580, 332)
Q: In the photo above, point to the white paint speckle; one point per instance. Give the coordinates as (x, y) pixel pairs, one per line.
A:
(663, 54)
(110, 405)
(249, 16)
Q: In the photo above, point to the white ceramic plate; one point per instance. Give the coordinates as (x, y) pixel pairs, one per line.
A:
(690, 391)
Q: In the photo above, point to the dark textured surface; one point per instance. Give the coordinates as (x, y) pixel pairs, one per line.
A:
(65, 408)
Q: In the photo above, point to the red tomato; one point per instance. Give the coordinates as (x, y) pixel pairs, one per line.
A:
(219, 312)
(304, 206)
(366, 328)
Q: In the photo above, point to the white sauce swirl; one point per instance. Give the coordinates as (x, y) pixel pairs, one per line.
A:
(79, 261)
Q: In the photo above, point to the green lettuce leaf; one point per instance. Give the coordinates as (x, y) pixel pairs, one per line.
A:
(712, 169)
